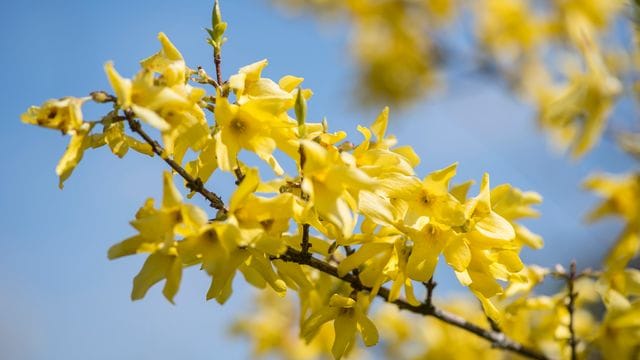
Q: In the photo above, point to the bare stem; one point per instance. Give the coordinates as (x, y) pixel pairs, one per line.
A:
(305, 245)
(430, 285)
(193, 184)
(571, 308)
(217, 60)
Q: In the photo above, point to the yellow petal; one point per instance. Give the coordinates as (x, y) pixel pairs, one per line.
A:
(457, 254)
(126, 247)
(367, 329)
(169, 50)
(345, 330)
(170, 195)
(364, 253)
(379, 126)
(340, 301)
(72, 155)
(121, 86)
(493, 227)
(511, 260)
(150, 117)
(312, 324)
(158, 266)
(289, 83)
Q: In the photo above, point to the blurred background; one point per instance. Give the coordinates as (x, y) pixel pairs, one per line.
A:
(60, 298)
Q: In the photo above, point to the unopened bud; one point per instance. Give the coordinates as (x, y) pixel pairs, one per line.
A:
(101, 97)
(301, 108)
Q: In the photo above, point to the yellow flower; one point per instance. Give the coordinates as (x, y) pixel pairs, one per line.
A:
(248, 85)
(64, 114)
(513, 204)
(333, 200)
(379, 160)
(428, 243)
(273, 330)
(618, 286)
(165, 102)
(349, 316)
(247, 126)
(598, 13)
(620, 194)
(485, 250)
(113, 134)
(385, 258)
(168, 62)
(619, 334)
(578, 111)
(509, 27)
(205, 164)
(260, 222)
(157, 230)
(431, 199)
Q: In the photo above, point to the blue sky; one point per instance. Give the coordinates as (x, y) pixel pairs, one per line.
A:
(62, 299)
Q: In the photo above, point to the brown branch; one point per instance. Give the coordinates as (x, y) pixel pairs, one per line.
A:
(193, 184)
(217, 59)
(573, 342)
(305, 245)
(430, 285)
(498, 340)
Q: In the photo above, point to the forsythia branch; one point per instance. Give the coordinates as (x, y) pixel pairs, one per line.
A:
(497, 339)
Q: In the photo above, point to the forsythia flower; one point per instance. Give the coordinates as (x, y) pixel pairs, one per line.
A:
(386, 259)
(620, 194)
(113, 134)
(349, 316)
(619, 334)
(166, 102)
(258, 120)
(246, 126)
(513, 204)
(64, 115)
(333, 200)
(578, 111)
(157, 230)
(509, 27)
(299, 233)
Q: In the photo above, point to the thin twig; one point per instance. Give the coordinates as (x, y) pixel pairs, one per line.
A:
(217, 59)
(305, 245)
(571, 308)
(193, 184)
(430, 285)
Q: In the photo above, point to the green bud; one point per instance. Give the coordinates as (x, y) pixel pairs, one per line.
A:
(218, 27)
(301, 108)
(216, 16)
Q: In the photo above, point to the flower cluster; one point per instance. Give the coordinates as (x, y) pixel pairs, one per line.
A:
(557, 54)
(351, 220)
